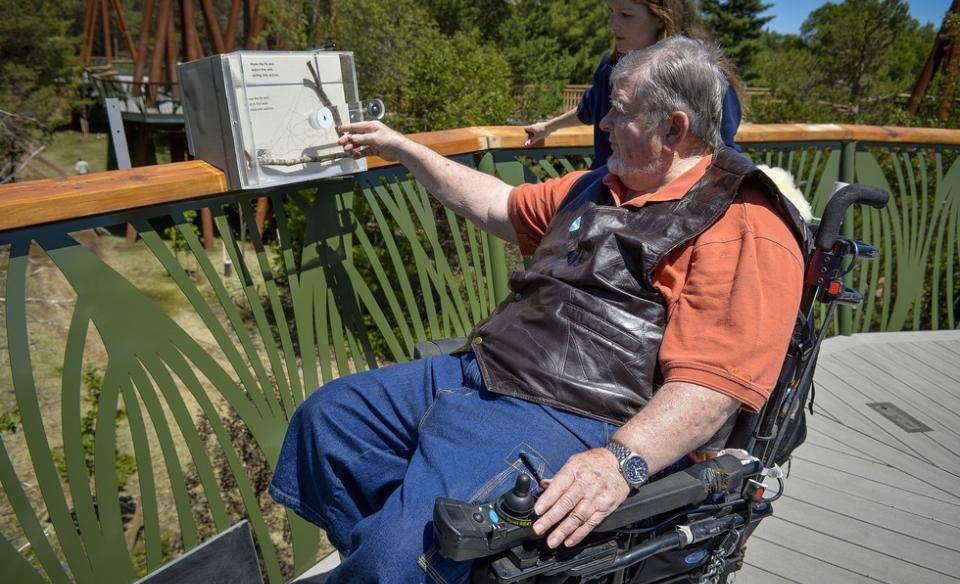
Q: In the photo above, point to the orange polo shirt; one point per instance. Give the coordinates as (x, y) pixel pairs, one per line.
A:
(732, 293)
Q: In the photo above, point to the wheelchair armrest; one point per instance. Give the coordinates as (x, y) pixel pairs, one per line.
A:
(438, 347)
(467, 531)
(691, 486)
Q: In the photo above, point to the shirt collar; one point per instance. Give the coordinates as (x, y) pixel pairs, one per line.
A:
(672, 191)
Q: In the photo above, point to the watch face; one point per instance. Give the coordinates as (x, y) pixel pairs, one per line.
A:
(635, 470)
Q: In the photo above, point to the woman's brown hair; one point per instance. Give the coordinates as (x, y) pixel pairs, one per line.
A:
(682, 17)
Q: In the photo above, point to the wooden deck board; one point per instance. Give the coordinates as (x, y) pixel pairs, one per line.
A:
(867, 501)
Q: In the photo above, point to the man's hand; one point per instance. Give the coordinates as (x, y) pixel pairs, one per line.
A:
(371, 138)
(587, 489)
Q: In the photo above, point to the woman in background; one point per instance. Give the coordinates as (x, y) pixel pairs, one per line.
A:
(637, 24)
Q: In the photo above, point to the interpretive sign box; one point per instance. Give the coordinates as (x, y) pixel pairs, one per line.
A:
(268, 118)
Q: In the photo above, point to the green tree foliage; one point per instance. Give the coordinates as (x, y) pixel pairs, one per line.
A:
(37, 74)
(459, 81)
(848, 65)
(736, 25)
(428, 80)
(462, 49)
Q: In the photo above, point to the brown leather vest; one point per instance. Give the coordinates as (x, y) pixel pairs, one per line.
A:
(583, 326)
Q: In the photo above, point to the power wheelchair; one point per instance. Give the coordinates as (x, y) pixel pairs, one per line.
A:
(691, 525)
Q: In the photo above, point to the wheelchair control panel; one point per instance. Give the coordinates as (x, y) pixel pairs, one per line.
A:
(729, 483)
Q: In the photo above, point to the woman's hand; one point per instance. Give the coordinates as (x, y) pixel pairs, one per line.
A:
(536, 133)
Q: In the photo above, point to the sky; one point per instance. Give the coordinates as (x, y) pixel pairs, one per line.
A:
(790, 14)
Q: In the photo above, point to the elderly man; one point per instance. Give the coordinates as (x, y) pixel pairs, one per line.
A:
(659, 301)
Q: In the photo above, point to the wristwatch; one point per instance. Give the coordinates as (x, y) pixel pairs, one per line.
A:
(632, 466)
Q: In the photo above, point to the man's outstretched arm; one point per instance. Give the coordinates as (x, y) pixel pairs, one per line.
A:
(679, 418)
(478, 196)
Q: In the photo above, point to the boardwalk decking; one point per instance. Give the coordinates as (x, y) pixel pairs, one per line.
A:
(866, 500)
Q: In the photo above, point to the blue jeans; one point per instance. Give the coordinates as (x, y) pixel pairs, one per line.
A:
(366, 455)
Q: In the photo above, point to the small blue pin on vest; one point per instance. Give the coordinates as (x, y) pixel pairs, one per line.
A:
(576, 224)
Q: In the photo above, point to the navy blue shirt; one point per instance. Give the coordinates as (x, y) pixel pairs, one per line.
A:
(596, 103)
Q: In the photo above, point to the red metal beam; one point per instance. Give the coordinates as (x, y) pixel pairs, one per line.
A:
(107, 40)
(91, 31)
(213, 27)
(188, 25)
(932, 65)
(232, 25)
(156, 65)
(172, 58)
(122, 25)
(140, 63)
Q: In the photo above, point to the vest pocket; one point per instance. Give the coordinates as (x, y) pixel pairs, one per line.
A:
(595, 324)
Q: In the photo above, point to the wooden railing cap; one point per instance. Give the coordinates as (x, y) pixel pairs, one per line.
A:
(44, 201)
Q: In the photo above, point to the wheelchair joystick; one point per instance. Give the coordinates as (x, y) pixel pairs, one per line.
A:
(516, 505)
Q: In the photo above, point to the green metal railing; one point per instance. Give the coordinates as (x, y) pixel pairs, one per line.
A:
(147, 387)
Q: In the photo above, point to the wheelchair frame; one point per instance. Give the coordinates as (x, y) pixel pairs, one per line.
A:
(689, 526)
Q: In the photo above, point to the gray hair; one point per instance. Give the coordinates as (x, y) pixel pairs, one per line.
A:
(677, 74)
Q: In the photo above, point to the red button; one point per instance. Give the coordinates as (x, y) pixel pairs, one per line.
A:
(834, 288)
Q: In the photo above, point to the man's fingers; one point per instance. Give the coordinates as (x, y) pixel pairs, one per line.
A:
(581, 532)
(575, 519)
(358, 127)
(558, 484)
(559, 509)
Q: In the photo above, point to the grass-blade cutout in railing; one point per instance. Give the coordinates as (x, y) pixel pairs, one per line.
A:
(88, 524)
(399, 269)
(419, 200)
(952, 184)
(386, 287)
(188, 288)
(252, 296)
(302, 303)
(105, 474)
(13, 567)
(34, 434)
(279, 314)
(431, 280)
(149, 501)
(114, 304)
(391, 198)
(185, 366)
(470, 274)
(887, 236)
(171, 460)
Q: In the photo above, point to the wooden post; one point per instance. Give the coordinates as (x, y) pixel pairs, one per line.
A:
(140, 63)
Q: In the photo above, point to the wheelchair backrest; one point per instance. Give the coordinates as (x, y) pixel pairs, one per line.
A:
(780, 427)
